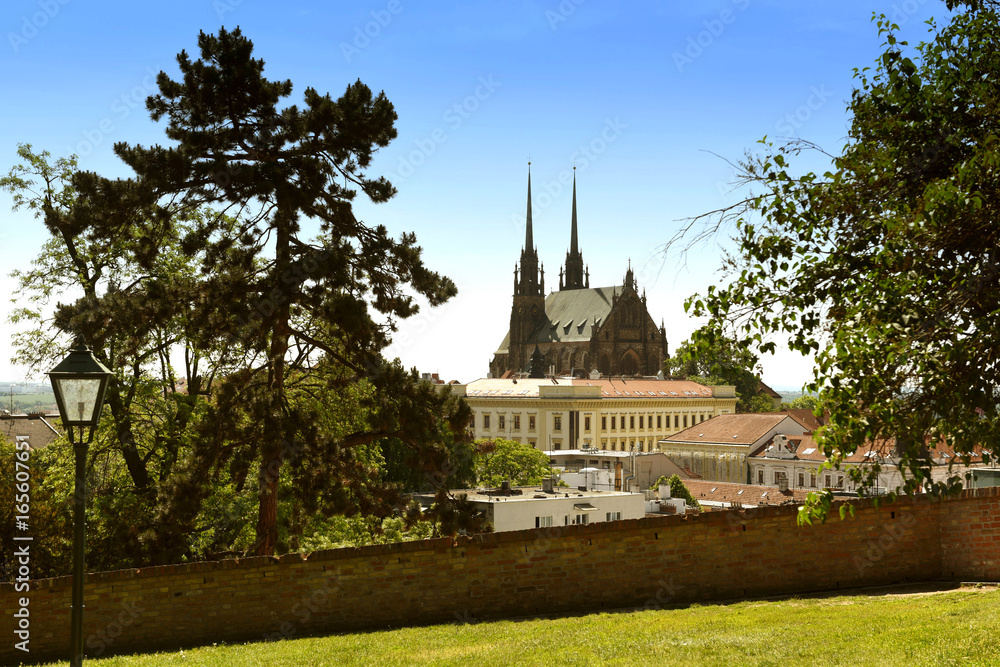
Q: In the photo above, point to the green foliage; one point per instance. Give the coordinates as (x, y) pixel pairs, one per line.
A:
(886, 266)
(286, 398)
(677, 489)
(758, 403)
(358, 531)
(716, 359)
(804, 402)
(503, 460)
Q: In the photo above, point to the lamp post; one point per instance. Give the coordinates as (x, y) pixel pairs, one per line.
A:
(79, 382)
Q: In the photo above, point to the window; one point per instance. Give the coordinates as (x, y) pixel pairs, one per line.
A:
(631, 422)
(640, 445)
(501, 422)
(532, 443)
(543, 521)
(840, 481)
(828, 478)
(604, 423)
(760, 475)
(486, 421)
(557, 423)
(812, 480)
(586, 423)
(517, 422)
(581, 519)
(614, 516)
(802, 479)
(613, 423)
(685, 421)
(676, 421)
(659, 421)
(641, 420)
(702, 419)
(557, 444)
(531, 422)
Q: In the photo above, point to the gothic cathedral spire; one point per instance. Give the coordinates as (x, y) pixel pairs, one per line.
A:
(574, 259)
(529, 284)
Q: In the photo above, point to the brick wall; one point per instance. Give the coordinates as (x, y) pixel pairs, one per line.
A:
(641, 563)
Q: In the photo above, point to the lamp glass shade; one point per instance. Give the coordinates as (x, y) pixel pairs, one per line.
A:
(79, 383)
(81, 399)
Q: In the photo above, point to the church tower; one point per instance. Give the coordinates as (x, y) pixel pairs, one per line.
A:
(574, 272)
(528, 310)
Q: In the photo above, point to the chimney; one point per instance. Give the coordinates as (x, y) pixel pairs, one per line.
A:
(549, 485)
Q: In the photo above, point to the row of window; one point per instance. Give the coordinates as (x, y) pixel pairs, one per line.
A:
(780, 476)
(584, 518)
(627, 445)
(615, 420)
(502, 422)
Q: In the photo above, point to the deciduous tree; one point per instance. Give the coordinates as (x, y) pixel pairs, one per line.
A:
(887, 266)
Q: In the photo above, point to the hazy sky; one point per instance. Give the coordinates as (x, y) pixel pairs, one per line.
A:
(646, 98)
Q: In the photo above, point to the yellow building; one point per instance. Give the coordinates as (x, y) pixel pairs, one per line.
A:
(612, 414)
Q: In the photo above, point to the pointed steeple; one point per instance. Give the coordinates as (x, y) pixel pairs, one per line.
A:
(529, 283)
(574, 259)
(573, 248)
(529, 242)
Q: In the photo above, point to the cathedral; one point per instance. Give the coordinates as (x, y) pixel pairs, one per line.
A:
(577, 329)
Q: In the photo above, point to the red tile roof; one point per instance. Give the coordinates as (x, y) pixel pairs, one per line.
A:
(736, 429)
(806, 449)
(806, 417)
(41, 429)
(744, 494)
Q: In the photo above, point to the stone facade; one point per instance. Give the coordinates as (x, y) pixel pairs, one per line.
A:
(577, 329)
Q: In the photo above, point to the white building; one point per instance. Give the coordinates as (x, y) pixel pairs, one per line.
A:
(531, 507)
(612, 414)
(612, 471)
(795, 460)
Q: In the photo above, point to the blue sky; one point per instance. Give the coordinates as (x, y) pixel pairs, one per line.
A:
(646, 98)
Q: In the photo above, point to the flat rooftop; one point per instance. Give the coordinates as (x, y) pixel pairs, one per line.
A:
(526, 493)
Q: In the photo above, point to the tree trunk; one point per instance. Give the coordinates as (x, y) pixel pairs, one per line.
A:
(126, 439)
(272, 437)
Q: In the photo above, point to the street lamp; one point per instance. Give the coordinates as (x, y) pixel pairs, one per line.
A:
(79, 383)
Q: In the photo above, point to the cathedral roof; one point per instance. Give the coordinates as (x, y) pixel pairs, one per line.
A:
(570, 316)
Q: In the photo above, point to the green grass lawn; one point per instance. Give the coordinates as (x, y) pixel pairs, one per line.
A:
(959, 627)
